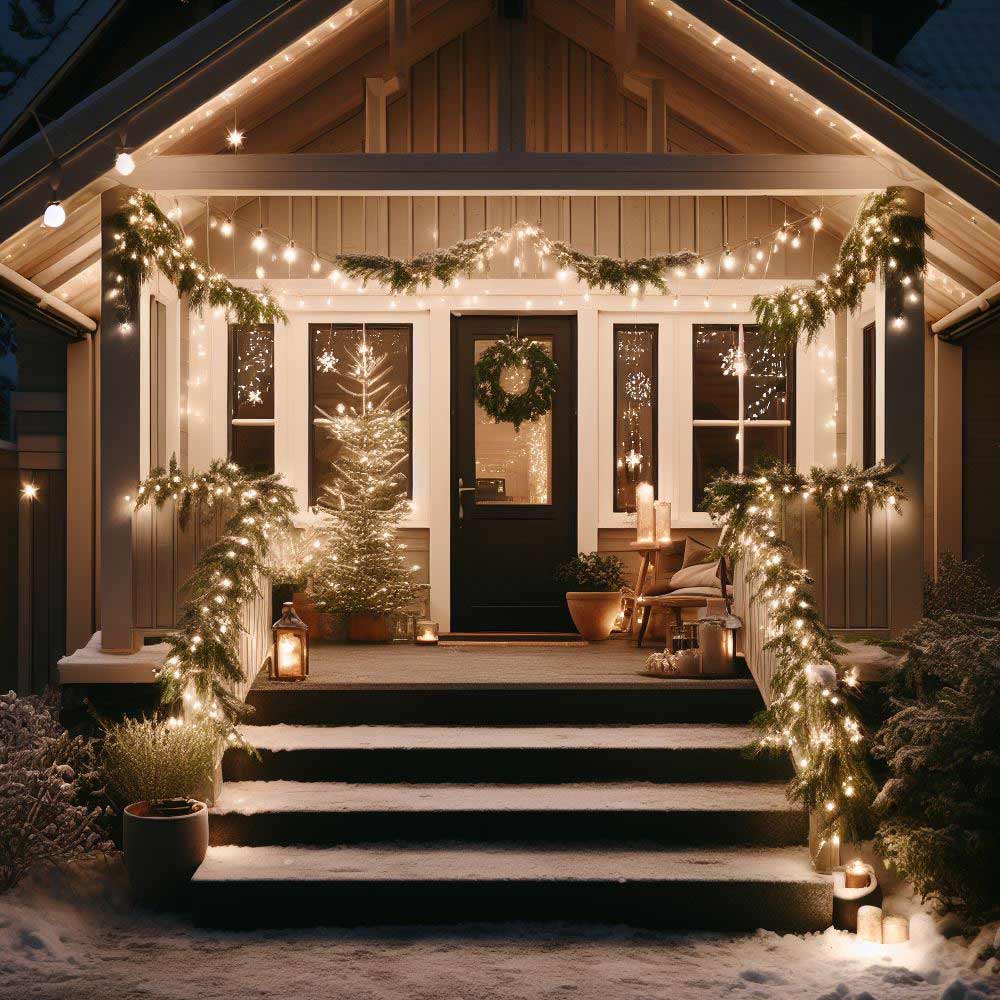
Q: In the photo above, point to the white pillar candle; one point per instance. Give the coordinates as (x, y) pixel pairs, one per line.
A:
(661, 516)
(644, 523)
(870, 923)
(895, 930)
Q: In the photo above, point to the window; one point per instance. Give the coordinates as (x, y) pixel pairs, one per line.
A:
(635, 391)
(743, 403)
(868, 394)
(330, 348)
(251, 397)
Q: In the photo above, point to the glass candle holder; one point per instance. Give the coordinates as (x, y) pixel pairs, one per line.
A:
(661, 519)
(644, 518)
(427, 633)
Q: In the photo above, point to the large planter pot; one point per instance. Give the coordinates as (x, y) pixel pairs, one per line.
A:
(368, 628)
(163, 852)
(594, 612)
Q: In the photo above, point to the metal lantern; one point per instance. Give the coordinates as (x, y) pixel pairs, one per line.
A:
(290, 658)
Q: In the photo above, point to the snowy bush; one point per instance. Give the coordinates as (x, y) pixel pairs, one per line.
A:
(939, 810)
(50, 797)
(145, 759)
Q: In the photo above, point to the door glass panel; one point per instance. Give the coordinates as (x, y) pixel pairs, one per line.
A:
(513, 466)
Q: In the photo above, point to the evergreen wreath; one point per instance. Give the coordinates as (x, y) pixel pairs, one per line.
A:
(536, 400)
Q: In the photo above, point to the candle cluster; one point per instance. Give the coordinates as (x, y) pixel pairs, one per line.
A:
(884, 240)
(810, 714)
(203, 665)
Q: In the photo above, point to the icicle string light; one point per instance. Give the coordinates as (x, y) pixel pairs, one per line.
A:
(885, 240)
(810, 715)
(203, 667)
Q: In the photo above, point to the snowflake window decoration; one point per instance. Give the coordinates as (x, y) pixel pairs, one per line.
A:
(327, 362)
(638, 387)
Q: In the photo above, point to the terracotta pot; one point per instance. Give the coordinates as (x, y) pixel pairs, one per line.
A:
(163, 852)
(368, 628)
(594, 612)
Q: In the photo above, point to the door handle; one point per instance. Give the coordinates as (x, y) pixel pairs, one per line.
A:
(463, 489)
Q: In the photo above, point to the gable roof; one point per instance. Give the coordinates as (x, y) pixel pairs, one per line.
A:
(166, 102)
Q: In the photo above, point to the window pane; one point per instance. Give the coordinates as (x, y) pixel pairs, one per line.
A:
(635, 411)
(765, 443)
(513, 466)
(252, 371)
(331, 349)
(252, 448)
(716, 393)
(716, 449)
(767, 385)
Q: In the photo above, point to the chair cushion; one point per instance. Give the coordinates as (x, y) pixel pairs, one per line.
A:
(695, 552)
(700, 592)
(699, 575)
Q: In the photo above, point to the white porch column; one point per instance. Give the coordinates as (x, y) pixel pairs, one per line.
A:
(120, 447)
(905, 329)
(440, 492)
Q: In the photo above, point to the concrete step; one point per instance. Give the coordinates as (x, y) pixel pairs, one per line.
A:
(539, 754)
(641, 702)
(705, 889)
(326, 813)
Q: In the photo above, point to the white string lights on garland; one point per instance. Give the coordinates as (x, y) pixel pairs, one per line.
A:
(810, 713)
(145, 239)
(203, 666)
(884, 240)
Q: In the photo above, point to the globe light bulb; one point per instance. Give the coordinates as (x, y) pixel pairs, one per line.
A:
(259, 241)
(290, 253)
(55, 215)
(235, 138)
(728, 260)
(226, 228)
(124, 163)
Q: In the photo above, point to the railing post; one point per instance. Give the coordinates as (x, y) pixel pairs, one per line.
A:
(904, 327)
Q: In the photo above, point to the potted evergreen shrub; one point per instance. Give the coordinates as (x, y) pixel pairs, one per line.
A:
(161, 772)
(361, 572)
(593, 592)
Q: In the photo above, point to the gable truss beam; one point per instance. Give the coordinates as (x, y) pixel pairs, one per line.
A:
(528, 173)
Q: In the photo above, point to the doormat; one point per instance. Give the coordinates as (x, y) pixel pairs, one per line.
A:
(512, 639)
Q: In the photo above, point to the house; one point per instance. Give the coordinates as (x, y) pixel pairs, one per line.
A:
(279, 136)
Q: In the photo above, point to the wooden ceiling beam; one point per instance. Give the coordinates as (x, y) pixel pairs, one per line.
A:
(528, 173)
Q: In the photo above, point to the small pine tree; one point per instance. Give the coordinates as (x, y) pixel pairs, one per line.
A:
(361, 568)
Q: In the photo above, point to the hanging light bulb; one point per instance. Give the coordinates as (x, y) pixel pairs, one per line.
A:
(226, 227)
(259, 241)
(290, 252)
(758, 252)
(817, 223)
(708, 302)
(55, 215)
(783, 234)
(796, 240)
(261, 273)
(124, 163)
(315, 266)
(700, 269)
(728, 260)
(235, 138)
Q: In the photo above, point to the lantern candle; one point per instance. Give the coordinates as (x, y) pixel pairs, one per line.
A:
(290, 656)
(856, 875)
(426, 633)
(895, 930)
(870, 924)
(644, 518)
(661, 517)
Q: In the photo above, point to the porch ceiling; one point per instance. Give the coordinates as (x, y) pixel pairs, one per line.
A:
(310, 80)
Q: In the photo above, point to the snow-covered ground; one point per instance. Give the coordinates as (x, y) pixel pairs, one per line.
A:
(75, 934)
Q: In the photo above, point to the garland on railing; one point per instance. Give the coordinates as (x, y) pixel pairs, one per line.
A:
(884, 239)
(204, 662)
(467, 257)
(145, 239)
(810, 714)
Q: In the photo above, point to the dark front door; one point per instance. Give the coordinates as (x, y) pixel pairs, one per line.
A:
(513, 492)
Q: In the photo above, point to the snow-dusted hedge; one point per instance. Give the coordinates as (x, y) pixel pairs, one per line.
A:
(50, 797)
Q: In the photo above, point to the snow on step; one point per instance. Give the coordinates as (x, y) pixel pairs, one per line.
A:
(497, 862)
(255, 797)
(283, 737)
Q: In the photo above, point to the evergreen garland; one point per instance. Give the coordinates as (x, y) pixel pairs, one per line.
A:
(884, 240)
(467, 257)
(809, 713)
(146, 240)
(204, 665)
(505, 407)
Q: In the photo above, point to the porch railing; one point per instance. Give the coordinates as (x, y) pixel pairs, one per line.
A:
(163, 557)
(847, 554)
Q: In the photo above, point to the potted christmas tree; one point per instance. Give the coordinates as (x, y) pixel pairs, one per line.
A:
(361, 573)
